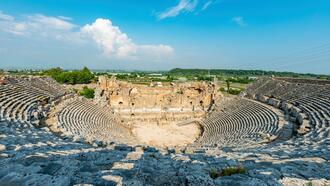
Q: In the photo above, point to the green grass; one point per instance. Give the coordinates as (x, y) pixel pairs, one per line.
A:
(233, 170)
(87, 92)
(214, 173)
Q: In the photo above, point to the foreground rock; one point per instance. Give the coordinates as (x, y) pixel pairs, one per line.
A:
(37, 157)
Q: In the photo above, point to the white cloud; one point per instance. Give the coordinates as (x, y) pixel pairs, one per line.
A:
(36, 24)
(40, 21)
(109, 38)
(239, 21)
(65, 18)
(6, 17)
(114, 43)
(183, 6)
(186, 6)
(8, 24)
(206, 5)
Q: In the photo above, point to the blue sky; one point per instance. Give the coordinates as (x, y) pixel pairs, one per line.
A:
(284, 35)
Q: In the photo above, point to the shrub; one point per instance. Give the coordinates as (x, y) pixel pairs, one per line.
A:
(74, 90)
(53, 72)
(214, 173)
(234, 91)
(222, 89)
(233, 170)
(309, 184)
(87, 92)
(179, 92)
(204, 78)
(122, 76)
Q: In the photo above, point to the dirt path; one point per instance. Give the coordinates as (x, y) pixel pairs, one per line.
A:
(166, 136)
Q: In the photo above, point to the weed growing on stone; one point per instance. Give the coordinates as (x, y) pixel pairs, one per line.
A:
(227, 171)
(233, 170)
(214, 173)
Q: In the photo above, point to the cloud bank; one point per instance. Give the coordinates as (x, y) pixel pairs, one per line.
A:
(113, 43)
(31, 24)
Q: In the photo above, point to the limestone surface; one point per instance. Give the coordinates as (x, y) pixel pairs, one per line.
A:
(278, 133)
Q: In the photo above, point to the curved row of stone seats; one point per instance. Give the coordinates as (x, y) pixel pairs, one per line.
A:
(269, 87)
(313, 100)
(83, 118)
(239, 122)
(318, 112)
(18, 104)
(23, 99)
(285, 90)
(305, 81)
(43, 85)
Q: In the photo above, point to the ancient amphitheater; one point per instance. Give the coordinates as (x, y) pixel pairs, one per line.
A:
(176, 134)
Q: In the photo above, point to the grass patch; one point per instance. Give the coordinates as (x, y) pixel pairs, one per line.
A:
(234, 91)
(87, 92)
(233, 170)
(214, 173)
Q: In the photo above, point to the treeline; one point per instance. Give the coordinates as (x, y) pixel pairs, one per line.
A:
(229, 72)
(133, 77)
(83, 76)
(242, 80)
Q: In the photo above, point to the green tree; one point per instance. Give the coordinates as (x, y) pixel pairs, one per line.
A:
(83, 76)
(53, 72)
(87, 92)
(169, 78)
(228, 84)
(323, 77)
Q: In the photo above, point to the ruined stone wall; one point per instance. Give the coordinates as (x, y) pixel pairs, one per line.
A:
(174, 102)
